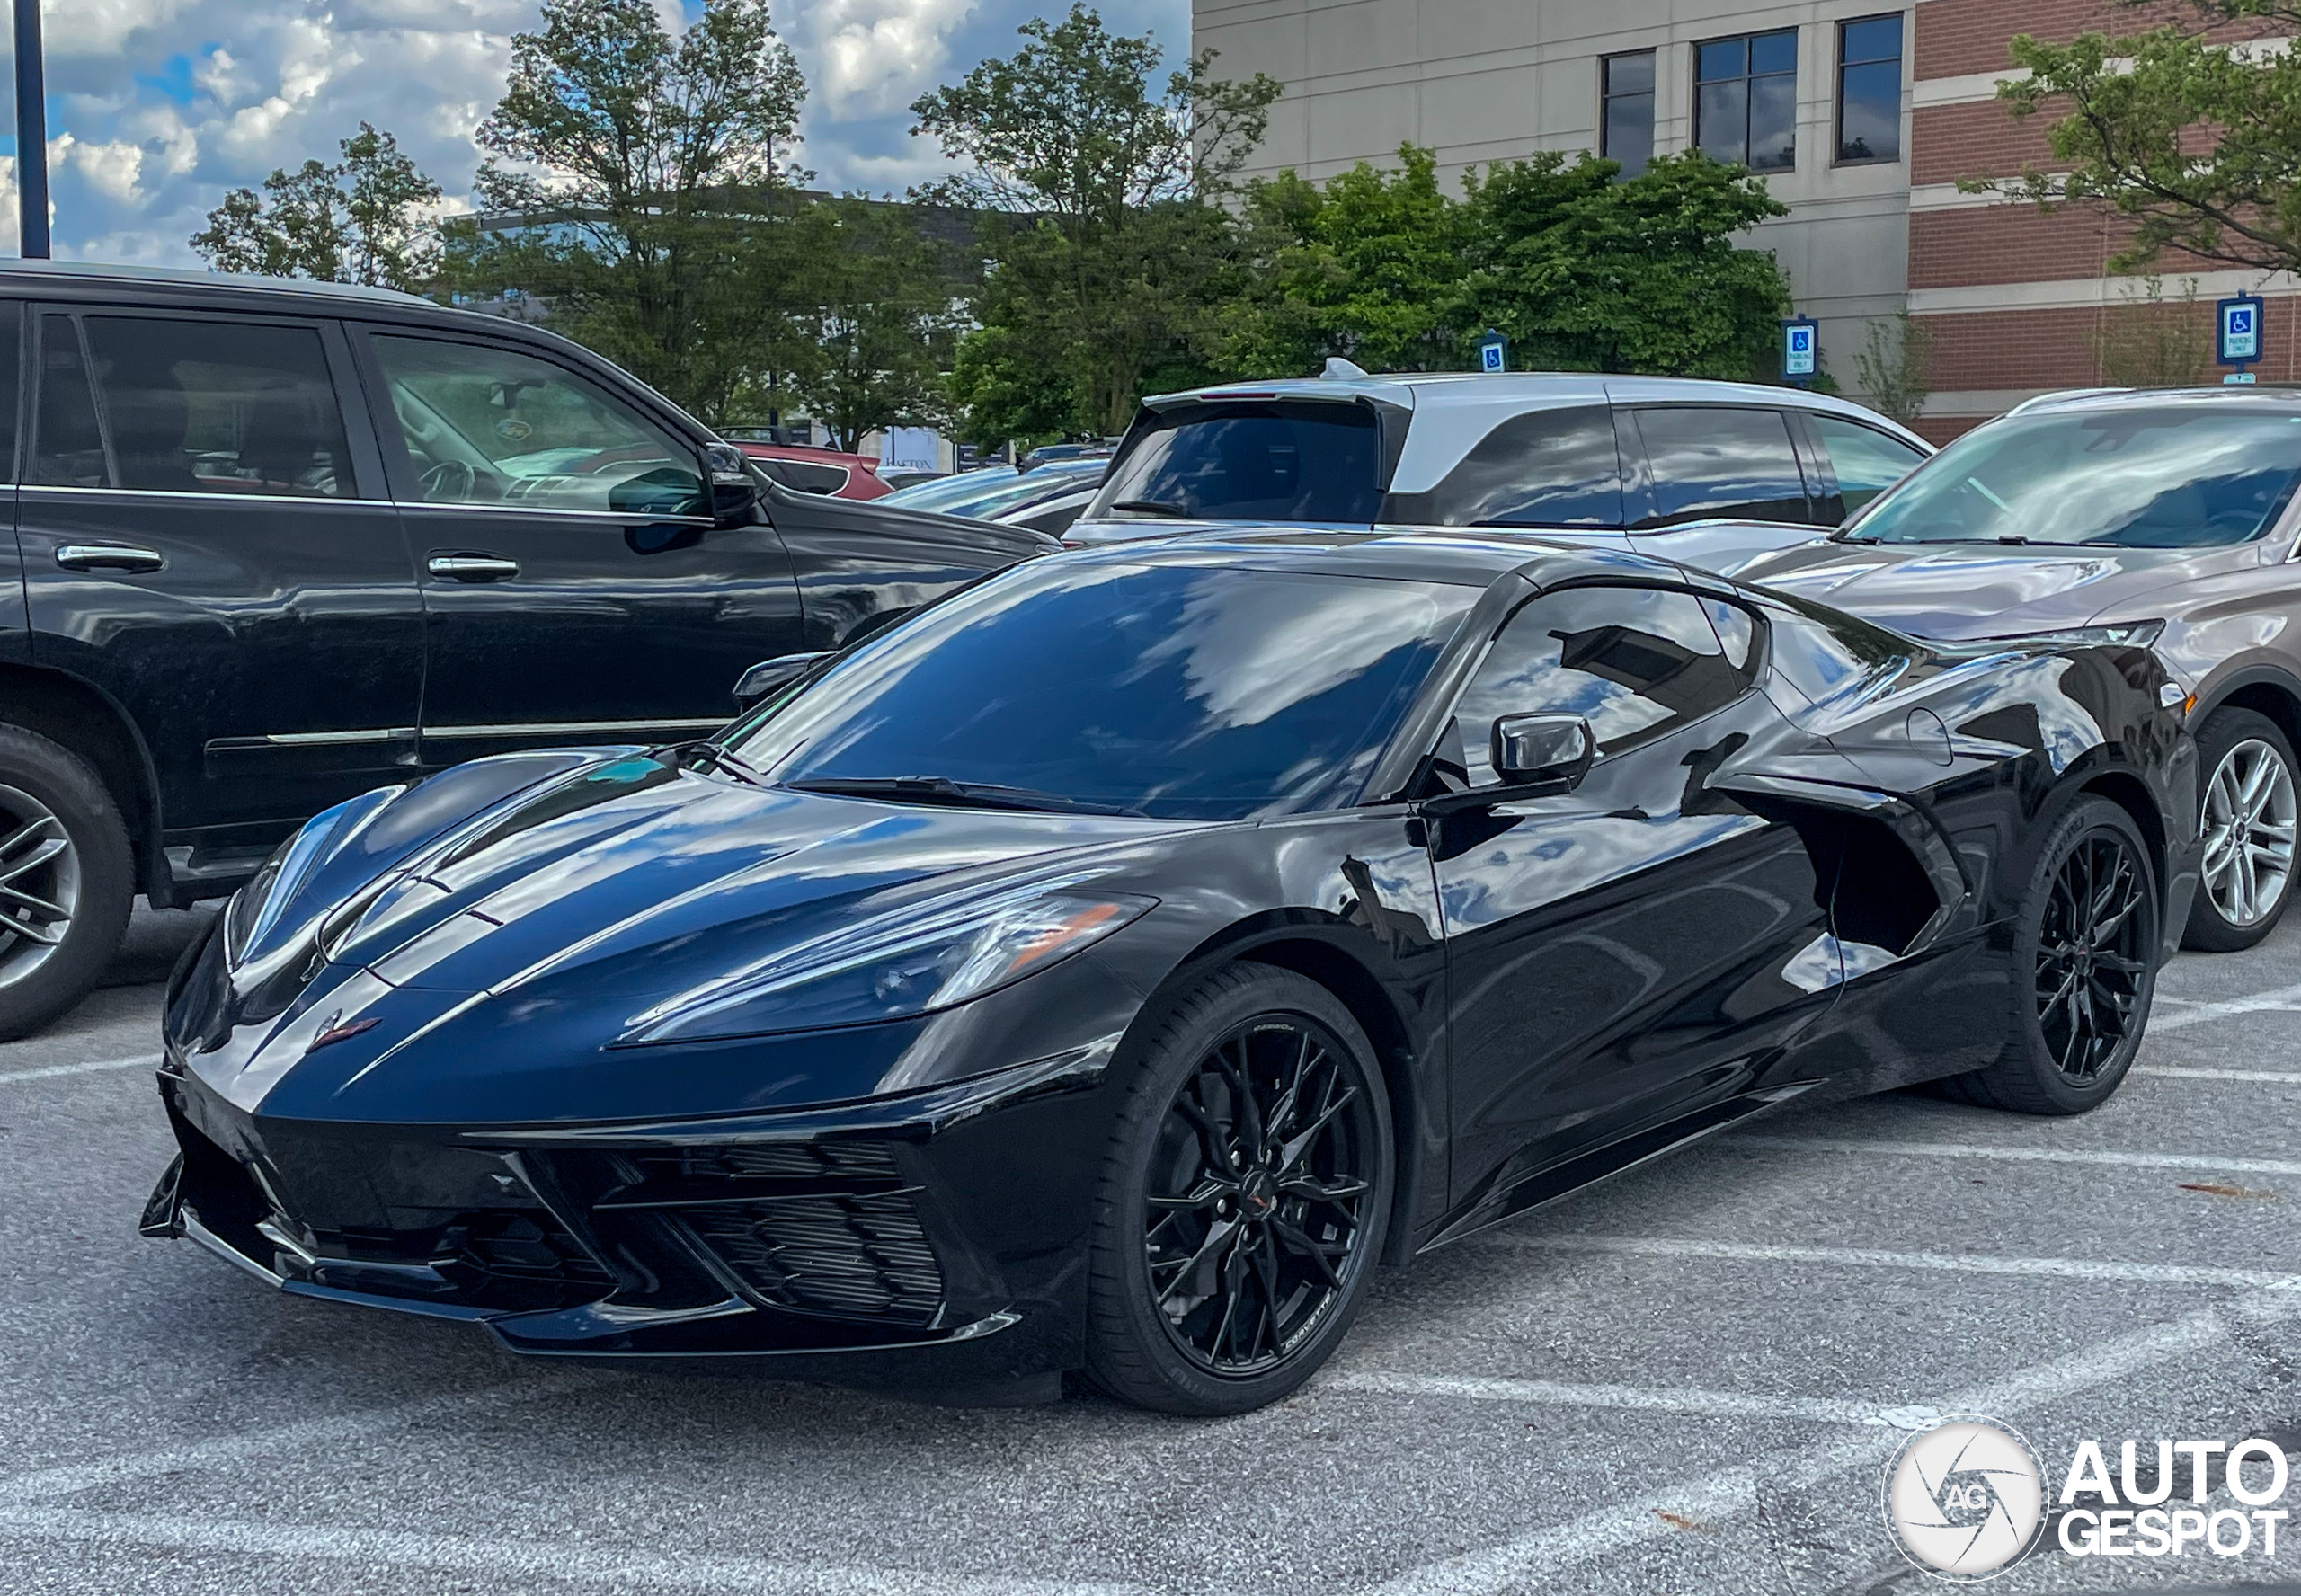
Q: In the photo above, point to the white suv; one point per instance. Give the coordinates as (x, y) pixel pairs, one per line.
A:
(1710, 474)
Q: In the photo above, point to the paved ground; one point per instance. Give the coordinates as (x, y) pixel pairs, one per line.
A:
(1685, 1381)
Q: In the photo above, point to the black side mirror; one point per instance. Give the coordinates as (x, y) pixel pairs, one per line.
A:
(733, 489)
(1552, 752)
(769, 677)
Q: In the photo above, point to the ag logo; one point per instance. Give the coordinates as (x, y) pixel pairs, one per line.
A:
(1966, 1499)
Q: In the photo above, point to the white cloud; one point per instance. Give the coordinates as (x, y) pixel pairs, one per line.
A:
(874, 56)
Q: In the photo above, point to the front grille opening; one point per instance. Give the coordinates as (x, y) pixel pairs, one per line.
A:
(861, 1256)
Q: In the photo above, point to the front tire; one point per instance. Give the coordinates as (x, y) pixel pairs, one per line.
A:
(2085, 958)
(2248, 814)
(1243, 1200)
(66, 876)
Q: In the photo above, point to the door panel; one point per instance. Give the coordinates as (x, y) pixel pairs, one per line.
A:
(205, 542)
(574, 591)
(1639, 948)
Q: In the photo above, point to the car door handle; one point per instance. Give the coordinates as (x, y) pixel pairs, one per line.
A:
(472, 567)
(108, 556)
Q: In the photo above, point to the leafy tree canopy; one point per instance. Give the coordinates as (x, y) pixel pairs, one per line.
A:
(365, 219)
(2196, 138)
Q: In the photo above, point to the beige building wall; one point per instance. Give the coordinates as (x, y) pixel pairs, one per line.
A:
(1487, 80)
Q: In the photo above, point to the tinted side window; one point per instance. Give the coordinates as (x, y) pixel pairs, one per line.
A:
(12, 332)
(1720, 462)
(1545, 468)
(68, 445)
(489, 426)
(1865, 460)
(219, 407)
(1311, 461)
(1636, 662)
(805, 476)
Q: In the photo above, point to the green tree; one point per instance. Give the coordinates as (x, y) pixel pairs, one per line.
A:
(2198, 142)
(1370, 267)
(365, 219)
(1106, 277)
(1585, 271)
(871, 345)
(649, 177)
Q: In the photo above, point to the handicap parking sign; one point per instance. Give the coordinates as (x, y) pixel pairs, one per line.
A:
(2239, 322)
(1800, 348)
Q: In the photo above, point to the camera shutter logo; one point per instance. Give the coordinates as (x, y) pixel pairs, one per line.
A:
(1966, 1499)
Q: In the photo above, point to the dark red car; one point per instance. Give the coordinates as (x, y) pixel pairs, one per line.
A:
(805, 469)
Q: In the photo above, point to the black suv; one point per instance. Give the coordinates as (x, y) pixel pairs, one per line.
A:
(279, 542)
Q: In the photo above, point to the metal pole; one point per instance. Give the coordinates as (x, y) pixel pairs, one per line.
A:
(31, 135)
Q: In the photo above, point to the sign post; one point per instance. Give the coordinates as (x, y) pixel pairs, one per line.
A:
(1493, 353)
(2237, 341)
(32, 135)
(1801, 350)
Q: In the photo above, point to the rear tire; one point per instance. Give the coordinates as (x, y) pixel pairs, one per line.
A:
(2248, 812)
(1243, 1200)
(66, 877)
(2086, 955)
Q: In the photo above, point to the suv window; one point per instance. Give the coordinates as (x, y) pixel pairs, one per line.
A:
(189, 406)
(1717, 461)
(1545, 468)
(1636, 662)
(1864, 460)
(804, 476)
(1309, 460)
(492, 426)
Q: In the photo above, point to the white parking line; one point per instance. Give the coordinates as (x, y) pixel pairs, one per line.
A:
(2214, 1162)
(2281, 1078)
(94, 1067)
(2080, 1269)
(1531, 1562)
(2194, 1012)
(1712, 1405)
(301, 1434)
(500, 1561)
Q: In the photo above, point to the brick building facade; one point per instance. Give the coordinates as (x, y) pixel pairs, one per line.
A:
(1865, 147)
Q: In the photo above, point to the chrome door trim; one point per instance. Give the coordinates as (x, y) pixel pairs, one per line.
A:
(577, 728)
(548, 512)
(301, 501)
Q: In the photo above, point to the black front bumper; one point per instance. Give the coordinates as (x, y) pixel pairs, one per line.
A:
(939, 1236)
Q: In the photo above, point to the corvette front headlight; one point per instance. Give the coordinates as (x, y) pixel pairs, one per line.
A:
(895, 966)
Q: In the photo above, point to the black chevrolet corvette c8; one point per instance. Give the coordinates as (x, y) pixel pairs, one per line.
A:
(1105, 968)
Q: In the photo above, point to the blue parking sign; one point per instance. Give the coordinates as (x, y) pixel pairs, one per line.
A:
(1493, 352)
(1800, 349)
(2239, 321)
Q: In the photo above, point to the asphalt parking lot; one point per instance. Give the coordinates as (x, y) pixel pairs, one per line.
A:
(1686, 1381)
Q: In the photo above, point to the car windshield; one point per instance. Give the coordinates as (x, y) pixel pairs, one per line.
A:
(1181, 692)
(995, 490)
(1306, 460)
(2167, 478)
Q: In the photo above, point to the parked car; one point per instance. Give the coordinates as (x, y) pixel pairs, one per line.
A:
(279, 542)
(1102, 968)
(1650, 463)
(1002, 492)
(2166, 518)
(807, 470)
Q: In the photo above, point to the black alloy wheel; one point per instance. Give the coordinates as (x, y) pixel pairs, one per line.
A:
(2086, 951)
(1246, 1196)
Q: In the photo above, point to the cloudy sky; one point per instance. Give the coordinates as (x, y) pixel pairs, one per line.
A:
(156, 107)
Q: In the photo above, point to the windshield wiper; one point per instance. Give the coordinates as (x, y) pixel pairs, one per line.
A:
(942, 789)
(1153, 507)
(702, 751)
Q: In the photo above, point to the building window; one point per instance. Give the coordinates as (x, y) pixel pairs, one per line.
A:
(1626, 96)
(1745, 99)
(1870, 89)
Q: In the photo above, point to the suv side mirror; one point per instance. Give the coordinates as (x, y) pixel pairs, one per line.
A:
(769, 677)
(1552, 752)
(733, 489)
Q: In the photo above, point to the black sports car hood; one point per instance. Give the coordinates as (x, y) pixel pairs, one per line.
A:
(584, 904)
(1970, 590)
